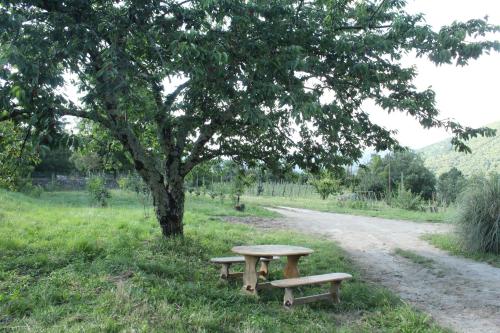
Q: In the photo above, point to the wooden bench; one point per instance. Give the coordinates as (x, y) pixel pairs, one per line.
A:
(288, 284)
(226, 262)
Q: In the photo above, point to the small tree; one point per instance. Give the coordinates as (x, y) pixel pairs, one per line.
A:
(326, 185)
(449, 185)
(240, 183)
(99, 194)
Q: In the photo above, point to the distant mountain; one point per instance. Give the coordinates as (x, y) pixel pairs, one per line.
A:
(485, 157)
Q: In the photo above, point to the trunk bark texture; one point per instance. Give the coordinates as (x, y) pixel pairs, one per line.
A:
(169, 207)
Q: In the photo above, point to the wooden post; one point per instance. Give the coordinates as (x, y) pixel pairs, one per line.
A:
(291, 269)
(224, 271)
(288, 299)
(335, 291)
(264, 268)
(250, 276)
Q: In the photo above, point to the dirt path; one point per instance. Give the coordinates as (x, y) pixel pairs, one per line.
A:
(459, 293)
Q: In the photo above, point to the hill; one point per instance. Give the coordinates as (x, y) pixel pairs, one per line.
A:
(485, 157)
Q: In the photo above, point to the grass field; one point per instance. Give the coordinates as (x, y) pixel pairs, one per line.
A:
(66, 267)
(451, 243)
(364, 208)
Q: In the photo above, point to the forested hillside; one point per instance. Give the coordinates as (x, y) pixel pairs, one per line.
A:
(485, 157)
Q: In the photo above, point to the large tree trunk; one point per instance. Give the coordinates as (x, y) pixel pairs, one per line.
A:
(169, 207)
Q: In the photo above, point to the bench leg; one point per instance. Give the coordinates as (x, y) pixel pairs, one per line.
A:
(335, 291)
(264, 268)
(288, 298)
(291, 269)
(224, 271)
(250, 276)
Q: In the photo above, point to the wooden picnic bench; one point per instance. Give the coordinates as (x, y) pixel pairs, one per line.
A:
(226, 263)
(288, 284)
(252, 255)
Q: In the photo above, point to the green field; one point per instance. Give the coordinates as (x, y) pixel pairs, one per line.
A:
(67, 267)
(364, 208)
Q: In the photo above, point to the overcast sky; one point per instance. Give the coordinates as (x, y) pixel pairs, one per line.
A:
(468, 94)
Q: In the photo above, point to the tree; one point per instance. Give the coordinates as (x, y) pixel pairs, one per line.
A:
(372, 177)
(181, 82)
(326, 185)
(408, 167)
(450, 184)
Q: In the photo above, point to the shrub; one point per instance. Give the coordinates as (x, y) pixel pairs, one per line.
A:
(479, 215)
(405, 199)
(33, 190)
(99, 194)
(326, 185)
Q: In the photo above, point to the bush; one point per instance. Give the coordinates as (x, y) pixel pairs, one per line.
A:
(326, 185)
(99, 194)
(405, 199)
(33, 190)
(479, 215)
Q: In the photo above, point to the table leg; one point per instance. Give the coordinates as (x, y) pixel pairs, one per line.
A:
(250, 276)
(291, 269)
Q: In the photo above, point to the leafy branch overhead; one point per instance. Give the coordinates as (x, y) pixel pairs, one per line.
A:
(182, 82)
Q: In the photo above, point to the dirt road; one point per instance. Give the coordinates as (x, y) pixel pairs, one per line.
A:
(459, 293)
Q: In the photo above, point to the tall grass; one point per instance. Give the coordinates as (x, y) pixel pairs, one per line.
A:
(479, 215)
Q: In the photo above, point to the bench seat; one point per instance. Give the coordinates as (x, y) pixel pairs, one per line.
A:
(310, 280)
(288, 284)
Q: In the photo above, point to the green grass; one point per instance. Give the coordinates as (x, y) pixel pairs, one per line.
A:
(415, 258)
(376, 209)
(65, 266)
(450, 242)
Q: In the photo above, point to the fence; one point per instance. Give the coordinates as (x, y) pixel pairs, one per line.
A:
(221, 188)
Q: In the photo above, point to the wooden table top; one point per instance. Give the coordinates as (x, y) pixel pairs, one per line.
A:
(272, 250)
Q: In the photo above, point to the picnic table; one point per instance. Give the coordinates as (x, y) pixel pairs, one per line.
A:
(253, 253)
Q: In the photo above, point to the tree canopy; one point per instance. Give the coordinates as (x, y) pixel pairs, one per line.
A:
(179, 82)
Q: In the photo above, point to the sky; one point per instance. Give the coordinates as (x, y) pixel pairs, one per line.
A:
(470, 94)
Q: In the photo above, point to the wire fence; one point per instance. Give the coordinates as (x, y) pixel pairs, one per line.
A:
(222, 189)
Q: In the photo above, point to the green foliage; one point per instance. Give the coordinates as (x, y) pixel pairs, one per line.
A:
(17, 157)
(401, 166)
(87, 162)
(408, 167)
(326, 185)
(484, 158)
(243, 73)
(372, 178)
(68, 267)
(405, 199)
(240, 182)
(449, 185)
(479, 215)
(96, 187)
(56, 160)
